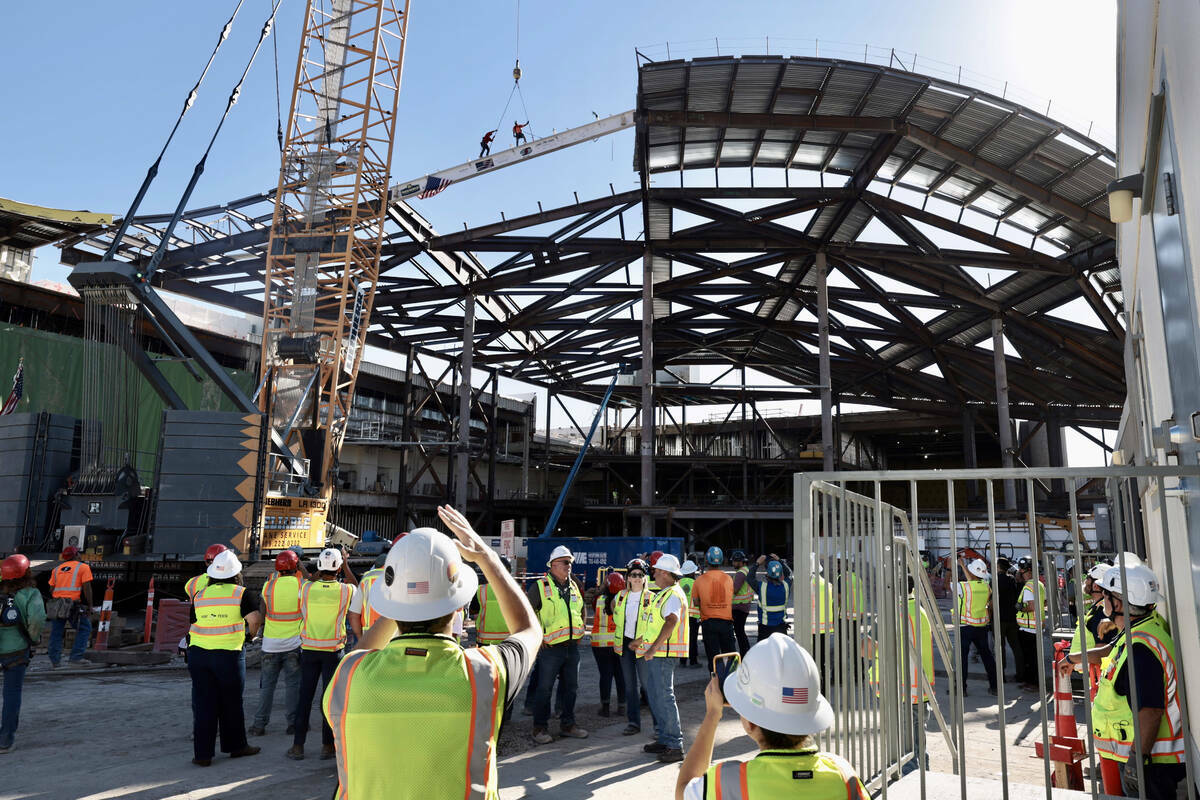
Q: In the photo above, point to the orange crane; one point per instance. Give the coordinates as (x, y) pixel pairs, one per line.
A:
(322, 265)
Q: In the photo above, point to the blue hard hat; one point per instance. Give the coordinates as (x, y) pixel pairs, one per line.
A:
(737, 555)
(714, 556)
(774, 570)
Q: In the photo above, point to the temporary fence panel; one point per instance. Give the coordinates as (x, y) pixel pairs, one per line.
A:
(862, 618)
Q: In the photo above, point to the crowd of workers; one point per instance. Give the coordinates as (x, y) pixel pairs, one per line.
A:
(384, 648)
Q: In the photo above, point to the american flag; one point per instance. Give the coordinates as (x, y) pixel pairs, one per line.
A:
(791, 695)
(433, 185)
(418, 587)
(14, 397)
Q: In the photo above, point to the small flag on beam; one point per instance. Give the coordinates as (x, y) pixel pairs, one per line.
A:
(433, 185)
(18, 389)
(418, 587)
(791, 695)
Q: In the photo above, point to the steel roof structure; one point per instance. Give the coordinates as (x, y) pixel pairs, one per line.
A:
(939, 208)
(27, 226)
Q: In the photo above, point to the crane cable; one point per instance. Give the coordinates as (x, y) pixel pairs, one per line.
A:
(516, 80)
(278, 108)
(151, 173)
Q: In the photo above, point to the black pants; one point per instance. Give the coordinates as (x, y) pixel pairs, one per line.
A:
(764, 631)
(216, 701)
(1162, 780)
(718, 638)
(693, 635)
(739, 629)
(609, 664)
(1010, 635)
(485, 148)
(315, 666)
(978, 636)
(1029, 662)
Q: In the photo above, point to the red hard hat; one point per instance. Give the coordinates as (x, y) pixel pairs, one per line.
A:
(213, 551)
(13, 567)
(396, 541)
(655, 556)
(70, 553)
(616, 582)
(287, 561)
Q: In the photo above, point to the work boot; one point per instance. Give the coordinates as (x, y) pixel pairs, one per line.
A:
(526, 712)
(254, 730)
(574, 732)
(296, 752)
(604, 710)
(992, 690)
(542, 736)
(8, 748)
(202, 762)
(670, 755)
(654, 747)
(248, 750)
(290, 730)
(327, 752)
(630, 730)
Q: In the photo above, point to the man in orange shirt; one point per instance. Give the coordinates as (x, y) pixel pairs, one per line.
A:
(71, 583)
(712, 593)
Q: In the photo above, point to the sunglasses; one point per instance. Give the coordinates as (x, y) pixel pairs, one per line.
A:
(637, 575)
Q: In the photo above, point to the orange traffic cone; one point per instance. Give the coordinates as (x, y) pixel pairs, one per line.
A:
(149, 612)
(105, 616)
(1066, 748)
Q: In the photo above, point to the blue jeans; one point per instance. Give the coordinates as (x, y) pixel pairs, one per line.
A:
(272, 664)
(633, 698)
(918, 742)
(13, 666)
(83, 633)
(560, 661)
(659, 677)
(216, 701)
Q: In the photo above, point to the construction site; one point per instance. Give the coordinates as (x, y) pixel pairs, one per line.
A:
(877, 332)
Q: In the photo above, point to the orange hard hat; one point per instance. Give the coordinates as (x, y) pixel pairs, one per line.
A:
(616, 582)
(13, 567)
(213, 551)
(70, 553)
(287, 561)
(655, 556)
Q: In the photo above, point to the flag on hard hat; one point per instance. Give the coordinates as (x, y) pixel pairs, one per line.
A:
(423, 579)
(778, 688)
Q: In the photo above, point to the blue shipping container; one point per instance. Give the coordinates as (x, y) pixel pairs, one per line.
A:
(592, 554)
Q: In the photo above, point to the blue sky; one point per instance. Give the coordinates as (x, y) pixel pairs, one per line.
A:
(94, 87)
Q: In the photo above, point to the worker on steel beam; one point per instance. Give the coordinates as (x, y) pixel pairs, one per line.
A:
(519, 132)
(485, 144)
(558, 601)
(418, 702)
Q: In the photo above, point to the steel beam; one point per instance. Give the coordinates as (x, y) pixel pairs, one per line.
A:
(463, 454)
(827, 445)
(1003, 421)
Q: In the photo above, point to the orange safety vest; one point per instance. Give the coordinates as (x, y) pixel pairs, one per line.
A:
(604, 624)
(67, 581)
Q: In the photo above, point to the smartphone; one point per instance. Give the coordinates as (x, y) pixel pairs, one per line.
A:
(725, 665)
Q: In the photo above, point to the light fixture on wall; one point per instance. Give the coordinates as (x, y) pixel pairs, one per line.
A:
(1120, 197)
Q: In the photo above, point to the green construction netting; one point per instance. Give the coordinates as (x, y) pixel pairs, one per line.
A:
(54, 381)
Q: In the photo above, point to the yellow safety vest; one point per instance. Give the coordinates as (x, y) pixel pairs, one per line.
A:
(915, 692)
(281, 596)
(973, 603)
(219, 624)
(1089, 641)
(1112, 717)
(604, 624)
(784, 773)
(686, 584)
(490, 626)
(822, 614)
(369, 614)
(1027, 620)
(323, 609)
(744, 596)
(196, 584)
(854, 598)
(379, 696)
(560, 622)
(620, 601)
(652, 621)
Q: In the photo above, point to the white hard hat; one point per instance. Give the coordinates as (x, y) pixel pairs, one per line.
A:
(688, 567)
(1070, 565)
(669, 563)
(559, 552)
(225, 565)
(817, 567)
(1141, 581)
(330, 560)
(424, 578)
(978, 568)
(1097, 571)
(778, 687)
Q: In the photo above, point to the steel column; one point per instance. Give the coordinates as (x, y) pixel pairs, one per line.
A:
(463, 452)
(827, 447)
(647, 379)
(1003, 423)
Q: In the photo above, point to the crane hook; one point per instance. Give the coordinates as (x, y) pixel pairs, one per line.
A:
(517, 71)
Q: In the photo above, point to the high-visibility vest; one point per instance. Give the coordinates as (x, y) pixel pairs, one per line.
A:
(68, 581)
(386, 695)
(323, 609)
(686, 584)
(924, 657)
(196, 584)
(784, 773)
(560, 622)
(620, 601)
(219, 624)
(1028, 620)
(1089, 640)
(604, 624)
(773, 602)
(822, 612)
(744, 596)
(490, 626)
(854, 599)
(973, 597)
(653, 619)
(1112, 717)
(369, 614)
(281, 596)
